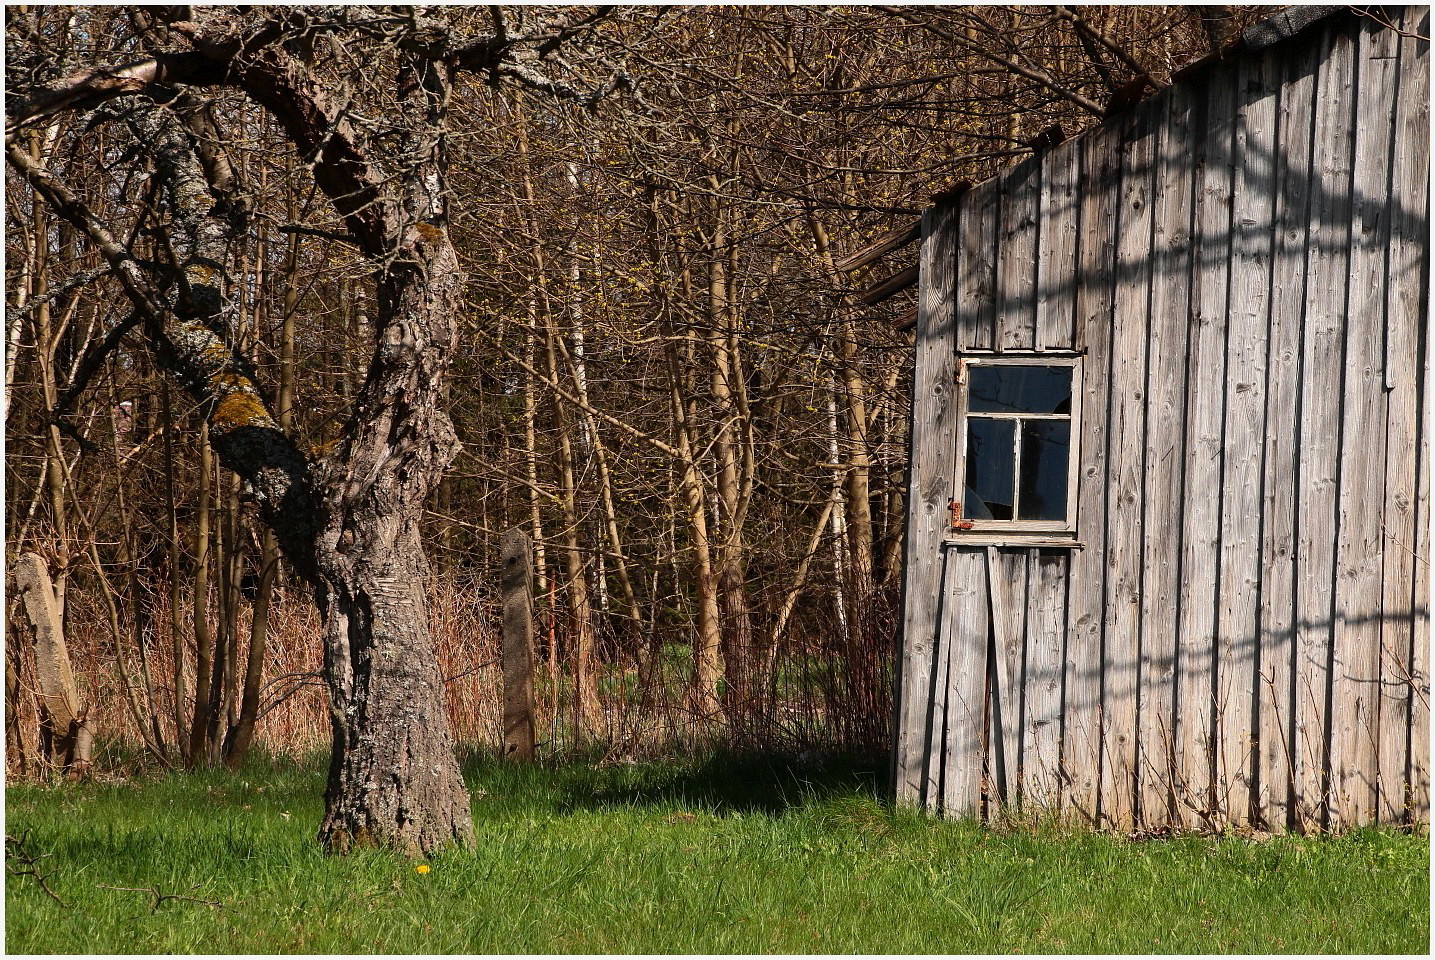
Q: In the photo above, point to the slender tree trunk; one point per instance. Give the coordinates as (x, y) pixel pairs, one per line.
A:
(859, 466)
(895, 436)
(840, 539)
(45, 341)
(140, 625)
(735, 617)
(243, 734)
(580, 612)
(176, 591)
(591, 443)
(224, 712)
(203, 640)
(858, 513)
(530, 458)
(707, 642)
(585, 707)
(578, 364)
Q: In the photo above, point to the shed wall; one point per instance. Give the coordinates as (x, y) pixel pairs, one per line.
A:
(1241, 636)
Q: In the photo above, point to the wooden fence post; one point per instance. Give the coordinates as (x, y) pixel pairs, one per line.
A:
(67, 733)
(519, 733)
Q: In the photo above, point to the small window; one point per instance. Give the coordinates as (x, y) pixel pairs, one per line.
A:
(1017, 468)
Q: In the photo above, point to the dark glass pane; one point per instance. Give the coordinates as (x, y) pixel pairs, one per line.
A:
(991, 463)
(1004, 388)
(1045, 453)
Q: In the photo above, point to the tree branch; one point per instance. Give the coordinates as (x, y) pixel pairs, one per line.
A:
(91, 87)
(244, 434)
(1034, 74)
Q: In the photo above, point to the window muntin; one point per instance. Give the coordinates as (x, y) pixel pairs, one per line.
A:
(1018, 463)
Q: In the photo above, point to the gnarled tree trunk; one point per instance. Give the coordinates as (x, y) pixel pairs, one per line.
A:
(393, 776)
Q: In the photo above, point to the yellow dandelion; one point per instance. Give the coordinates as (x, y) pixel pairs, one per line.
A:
(421, 868)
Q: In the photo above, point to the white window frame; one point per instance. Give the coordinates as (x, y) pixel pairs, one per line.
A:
(1017, 531)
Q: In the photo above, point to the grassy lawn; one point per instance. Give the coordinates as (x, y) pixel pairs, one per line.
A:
(721, 856)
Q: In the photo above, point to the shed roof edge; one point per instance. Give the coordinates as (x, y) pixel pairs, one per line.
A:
(1285, 24)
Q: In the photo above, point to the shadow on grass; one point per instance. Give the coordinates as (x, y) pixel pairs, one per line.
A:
(721, 782)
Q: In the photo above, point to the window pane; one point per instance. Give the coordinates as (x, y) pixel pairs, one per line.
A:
(1045, 453)
(991, 464)
(1007, 388)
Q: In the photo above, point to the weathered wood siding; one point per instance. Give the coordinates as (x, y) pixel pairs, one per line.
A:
(1239, 634)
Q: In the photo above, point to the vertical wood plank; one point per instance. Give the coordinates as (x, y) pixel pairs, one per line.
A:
(1283, 375)
(935, 741)
(971, 630)
(1212, 136)
(1045, 636)
(1402, 724)
(1419, 763)
(933, 433)
(1164, 462)
(1258, 90)
(1355, 662)
(1081, 748)
(977, 268)
(1327, 263)
(1017, 256)
(1056, 257)
(1124, 469)
(1007, 586)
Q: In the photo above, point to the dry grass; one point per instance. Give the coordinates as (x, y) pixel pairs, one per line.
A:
(821, 687)
(294, 718)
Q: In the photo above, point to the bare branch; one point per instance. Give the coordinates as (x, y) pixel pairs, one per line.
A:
(1035, 74)
(17, 852)
(91, 87)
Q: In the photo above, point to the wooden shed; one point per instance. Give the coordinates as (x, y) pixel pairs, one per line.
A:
(1168, 544)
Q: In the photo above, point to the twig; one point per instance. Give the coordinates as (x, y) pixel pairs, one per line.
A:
(473, 669)
(15, 850)
(160, 898)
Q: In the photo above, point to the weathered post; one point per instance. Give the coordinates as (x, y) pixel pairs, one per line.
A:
(66, 733)
(518, 727)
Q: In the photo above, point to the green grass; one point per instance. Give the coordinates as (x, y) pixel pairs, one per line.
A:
(717, 856)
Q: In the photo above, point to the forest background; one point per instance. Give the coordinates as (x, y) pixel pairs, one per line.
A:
(666, 376)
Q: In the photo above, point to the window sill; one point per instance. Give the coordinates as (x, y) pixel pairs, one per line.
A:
(988, 538)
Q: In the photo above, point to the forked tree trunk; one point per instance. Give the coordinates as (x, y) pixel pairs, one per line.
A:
(350, 524)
